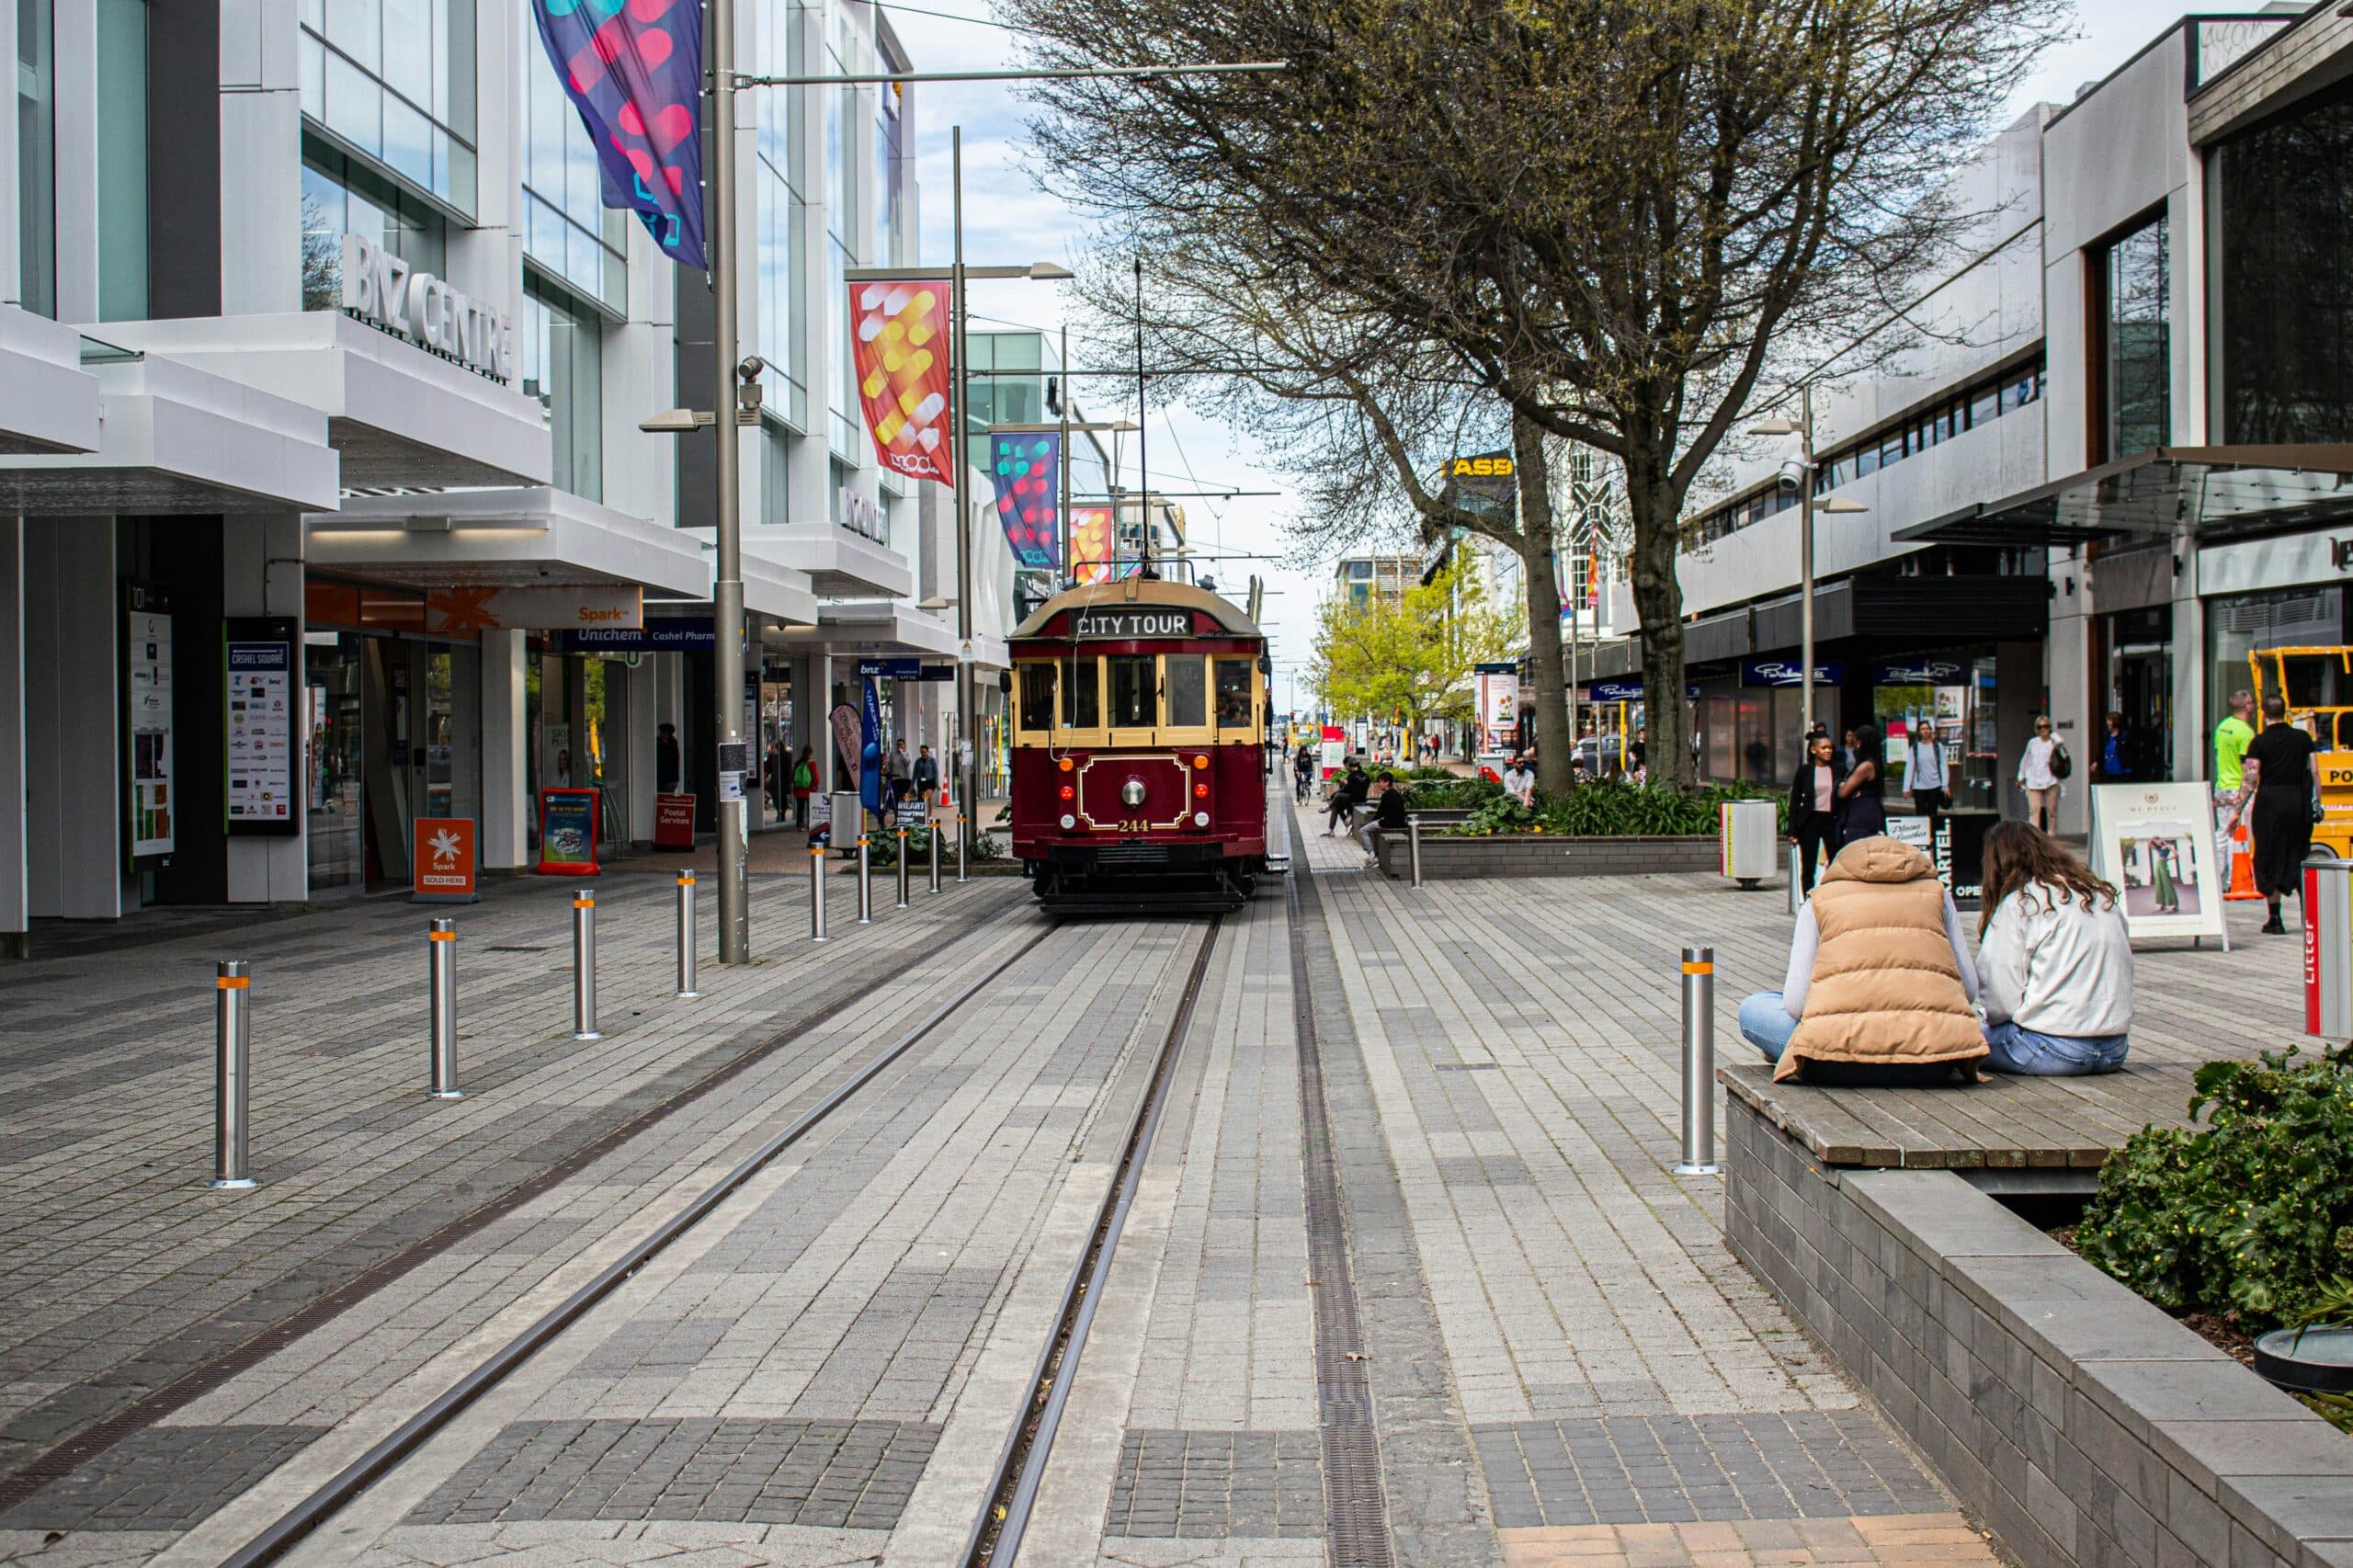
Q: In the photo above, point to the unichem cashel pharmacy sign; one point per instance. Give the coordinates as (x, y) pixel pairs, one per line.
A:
(379, 288)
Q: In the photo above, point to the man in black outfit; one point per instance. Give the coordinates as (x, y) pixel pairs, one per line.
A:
(665, 758)
(2279, 768)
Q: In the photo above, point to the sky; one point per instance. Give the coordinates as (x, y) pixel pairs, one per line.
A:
(1008, 219)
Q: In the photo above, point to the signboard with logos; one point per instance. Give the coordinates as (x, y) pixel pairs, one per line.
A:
(1629, 692)
(1920, 672)
(540, 609)
(2155, 842)
(147, 679)
(670, 635)
(891, 669)
(568, 833)
(260, 680)
(442, 865)
(1954, 842)
(1788, 671)
(1130, 623)
(380, 290)
(674, 821)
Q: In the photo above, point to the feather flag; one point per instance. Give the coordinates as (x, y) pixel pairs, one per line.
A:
(633, 68)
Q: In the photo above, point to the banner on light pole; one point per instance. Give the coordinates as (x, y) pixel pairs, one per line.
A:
(634, 72)
(906, 375)
(1025, 469)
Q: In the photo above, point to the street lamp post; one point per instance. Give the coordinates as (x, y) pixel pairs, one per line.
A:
(1803, 428)
(727, 585)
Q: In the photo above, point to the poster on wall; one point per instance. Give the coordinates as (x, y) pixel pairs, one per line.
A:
(2155, 842)
(259, 685)
(147, 695)
(568, 833)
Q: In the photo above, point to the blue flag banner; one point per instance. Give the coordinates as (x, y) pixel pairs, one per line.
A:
(1028, 495)
(870, 747)
(633, 68)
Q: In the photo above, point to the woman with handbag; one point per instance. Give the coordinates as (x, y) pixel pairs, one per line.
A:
(1862, 810)
(1813, 807)
(2279, 768)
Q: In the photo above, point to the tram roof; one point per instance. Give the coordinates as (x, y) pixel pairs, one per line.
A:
(1131, 591)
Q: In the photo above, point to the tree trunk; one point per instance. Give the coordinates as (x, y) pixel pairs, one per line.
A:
(1554, 749)
(1658, 604)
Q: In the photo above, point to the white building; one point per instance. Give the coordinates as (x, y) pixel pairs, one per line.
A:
(203, 416)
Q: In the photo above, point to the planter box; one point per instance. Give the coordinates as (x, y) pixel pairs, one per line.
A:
(2077, 1420)
(1547, 855)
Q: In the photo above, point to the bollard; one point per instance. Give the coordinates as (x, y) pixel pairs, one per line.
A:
(1796, 898)
(959, 848)
(1413, 846)
(231, 1038)
(903, 870)
(686, 992)
(1698, 1063)
(816, 892)
(931, 837)
(441, 975)
(584, 967)
(865, 882)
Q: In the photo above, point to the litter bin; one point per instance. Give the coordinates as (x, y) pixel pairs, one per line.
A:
(1749, 839)
(2327, 908)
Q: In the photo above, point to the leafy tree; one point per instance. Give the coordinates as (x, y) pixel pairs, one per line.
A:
(1608, 214)
(1410, 658)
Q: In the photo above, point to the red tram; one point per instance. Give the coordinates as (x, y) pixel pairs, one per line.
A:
(1140, 720)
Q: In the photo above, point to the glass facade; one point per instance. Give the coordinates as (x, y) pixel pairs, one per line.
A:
(2134, 322)
(341, 196)
(2285, 341)
(779, 314)
(122, 159)
(560, 350)
(568, 231)
(395, 79)
(37, 155)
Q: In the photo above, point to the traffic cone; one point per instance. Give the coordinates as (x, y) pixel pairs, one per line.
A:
(2241, 864)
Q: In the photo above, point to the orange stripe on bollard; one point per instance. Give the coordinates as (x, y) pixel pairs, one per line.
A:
(1698, 969)
(440, 936)
(232, 982)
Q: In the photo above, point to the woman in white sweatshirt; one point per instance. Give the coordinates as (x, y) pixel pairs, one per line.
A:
(2055, 964)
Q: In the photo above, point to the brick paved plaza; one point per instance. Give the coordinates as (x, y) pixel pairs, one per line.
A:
(1560, 1360)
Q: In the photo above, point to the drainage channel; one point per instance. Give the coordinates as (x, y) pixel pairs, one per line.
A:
(996, 1534)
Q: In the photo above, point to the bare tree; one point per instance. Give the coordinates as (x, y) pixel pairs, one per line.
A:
(1607, 213)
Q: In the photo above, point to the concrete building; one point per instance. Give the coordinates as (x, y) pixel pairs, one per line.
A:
(317, 345)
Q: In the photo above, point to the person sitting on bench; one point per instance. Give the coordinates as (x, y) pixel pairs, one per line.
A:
(2054, 962)
(1388, 813)
(1347, 797)
(1880, 983)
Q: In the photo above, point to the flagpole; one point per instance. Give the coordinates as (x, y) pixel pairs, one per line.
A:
(968, 745)
(1062, 466)
(727, 588)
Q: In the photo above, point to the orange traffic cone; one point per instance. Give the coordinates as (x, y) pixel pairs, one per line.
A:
(2241, 864)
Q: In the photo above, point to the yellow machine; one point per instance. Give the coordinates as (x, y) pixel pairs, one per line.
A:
(2317, 684)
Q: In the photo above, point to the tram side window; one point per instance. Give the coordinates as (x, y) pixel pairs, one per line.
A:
(1038, 696)
(1135, 700)
(1189, 697)
(1234, 694)
(1082, 695)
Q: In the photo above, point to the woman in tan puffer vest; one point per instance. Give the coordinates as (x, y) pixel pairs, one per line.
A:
(1881, 982)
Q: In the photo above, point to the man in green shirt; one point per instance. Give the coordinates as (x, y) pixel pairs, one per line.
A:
(2231, 737)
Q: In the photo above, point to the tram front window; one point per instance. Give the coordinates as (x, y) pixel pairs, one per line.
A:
(1134, 699)
(1037, 697)
(1187, 692)
(1082, 695)
(1234, 694)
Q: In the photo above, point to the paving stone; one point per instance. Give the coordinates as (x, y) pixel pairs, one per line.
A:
(166, 1477)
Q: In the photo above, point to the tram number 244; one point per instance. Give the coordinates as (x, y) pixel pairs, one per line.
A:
(1134, 824)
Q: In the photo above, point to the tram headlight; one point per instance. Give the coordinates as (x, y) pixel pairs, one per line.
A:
(1201, 819)
(1069, 822)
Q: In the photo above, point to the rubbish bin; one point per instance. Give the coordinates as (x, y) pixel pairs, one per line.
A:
(2327, 908)
(1749, 839)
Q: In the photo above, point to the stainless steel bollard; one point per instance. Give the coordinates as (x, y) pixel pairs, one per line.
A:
(1413, 846)
(441, 974)
(231, 1040)
(865, 882)
(584, 967)
(1698, 1063)
(686, 992)
(1796, 898)
(931, 839)
(903, 870)
(960, 832)
(816, 892)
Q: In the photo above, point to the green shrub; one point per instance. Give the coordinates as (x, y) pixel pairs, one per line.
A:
(2252, 1212)
(1614, 808)
(1449, 791)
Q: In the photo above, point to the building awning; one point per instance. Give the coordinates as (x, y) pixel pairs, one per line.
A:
(173, 438)
(401, 418)
(2167, 493)
(48, 402)
(839, 562)
(888, 628)
(503, 538)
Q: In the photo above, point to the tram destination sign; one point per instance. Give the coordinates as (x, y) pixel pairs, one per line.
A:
(1126, 623)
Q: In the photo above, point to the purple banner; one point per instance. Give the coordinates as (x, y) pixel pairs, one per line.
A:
(633, 68)
(1029, 492)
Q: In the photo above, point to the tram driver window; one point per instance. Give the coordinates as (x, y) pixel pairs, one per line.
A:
(1234, 694)
(1189, 697)
(1135, 697)
(1038, 696)
(1082, 695)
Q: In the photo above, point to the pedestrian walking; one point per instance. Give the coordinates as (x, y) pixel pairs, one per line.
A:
(2231, 737)
(2042, 767)
(772, 776)
(804, 779)
(1813, 809)
(2279, 768)
(2054, 960)
(1863, 813)
(665, 758)
(2116, 751)
(1924, 770)
(927, 778)
(898, 773)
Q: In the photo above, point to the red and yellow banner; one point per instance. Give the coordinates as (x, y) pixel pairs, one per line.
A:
(1090, 544)
(898, 333)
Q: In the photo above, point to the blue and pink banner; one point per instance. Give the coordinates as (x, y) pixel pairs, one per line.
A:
(1023, 467)
(633, 68)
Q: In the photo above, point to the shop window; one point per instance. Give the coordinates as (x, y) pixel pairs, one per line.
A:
(2132, 318)
(1234, 694)
(1038, 696)
(1082, 695)
(1134, 700)
(2285, 298)
(1187, 691)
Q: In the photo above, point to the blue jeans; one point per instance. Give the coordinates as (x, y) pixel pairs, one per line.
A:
(2016, 1050)
(1765, 1025)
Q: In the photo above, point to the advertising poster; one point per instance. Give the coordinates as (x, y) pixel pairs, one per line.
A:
(899, 338)
(147, 675)
(568, 833)
(1335, 749)
(259, 691)
(2155, 842)
(1498, 700)
(674, 821)
(442, 861)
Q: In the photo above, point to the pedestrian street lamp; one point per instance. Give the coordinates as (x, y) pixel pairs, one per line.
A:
(1842, 506)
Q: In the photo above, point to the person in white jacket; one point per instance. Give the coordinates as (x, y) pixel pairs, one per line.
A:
(2055, 964)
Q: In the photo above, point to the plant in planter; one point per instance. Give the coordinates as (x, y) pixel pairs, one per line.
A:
(1611, 808)
(1440, 795)
(2252, 1213)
